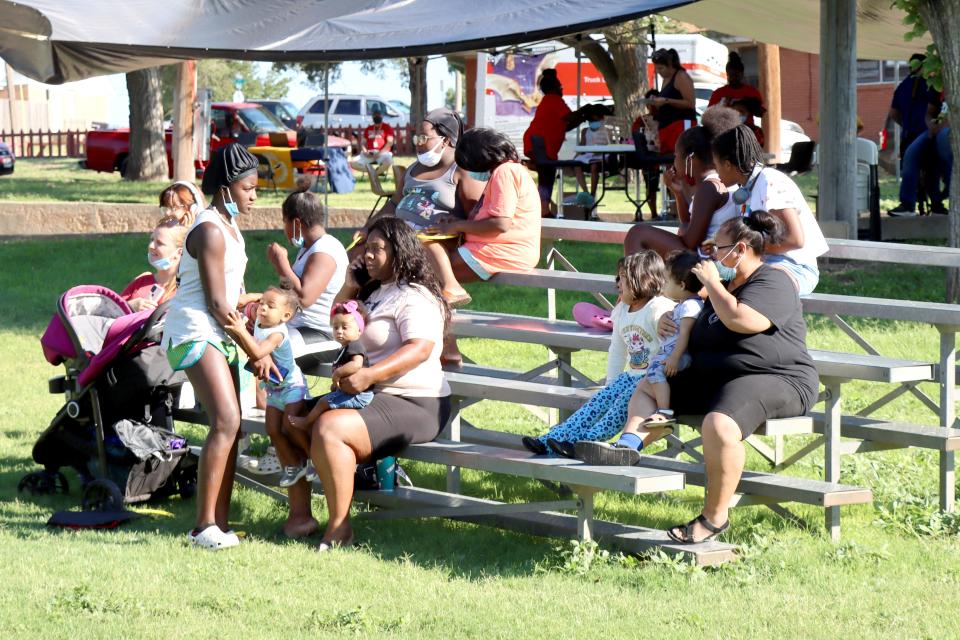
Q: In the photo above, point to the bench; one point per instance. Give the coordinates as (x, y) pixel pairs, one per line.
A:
(538, 517)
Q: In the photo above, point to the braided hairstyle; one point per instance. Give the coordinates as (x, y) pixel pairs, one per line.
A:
(739, 147)
(757, 230)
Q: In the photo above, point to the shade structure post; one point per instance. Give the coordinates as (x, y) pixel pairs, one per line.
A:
(185, 97)
(326, 146)
(837, 154)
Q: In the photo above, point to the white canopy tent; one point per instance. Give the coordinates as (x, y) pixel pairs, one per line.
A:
(795, 24)
(55, 41)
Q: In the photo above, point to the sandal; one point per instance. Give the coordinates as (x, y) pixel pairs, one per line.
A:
(326, 546)
(667, 419)
(213, 538)
(265, 465)
(457, 301)
(686, 530)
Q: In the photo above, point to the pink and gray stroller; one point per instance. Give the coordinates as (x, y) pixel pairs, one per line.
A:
(119, 398)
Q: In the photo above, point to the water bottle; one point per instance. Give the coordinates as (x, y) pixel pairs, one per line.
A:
(387, 473)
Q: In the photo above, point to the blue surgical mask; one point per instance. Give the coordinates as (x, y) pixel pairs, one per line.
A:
(595, 124)
(726, 273)
(482, 176)
(160, 264)
(743, 119)
(296, 240)
(229, 204)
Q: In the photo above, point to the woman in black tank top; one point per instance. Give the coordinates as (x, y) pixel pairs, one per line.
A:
(677, 99)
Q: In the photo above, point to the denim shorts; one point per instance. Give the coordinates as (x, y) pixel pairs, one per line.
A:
(805, 276)
(655, 373)
(340, 400)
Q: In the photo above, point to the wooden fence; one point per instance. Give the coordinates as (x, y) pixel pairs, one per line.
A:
(46, 144)
(402, 147)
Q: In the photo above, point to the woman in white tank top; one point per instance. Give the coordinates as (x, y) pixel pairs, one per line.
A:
(211, 286)
(703, 201)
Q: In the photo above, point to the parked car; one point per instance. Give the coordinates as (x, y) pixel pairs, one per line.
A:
(349, 110)
(7, 159)
(402, 107)
(282, 109)
(108, 149)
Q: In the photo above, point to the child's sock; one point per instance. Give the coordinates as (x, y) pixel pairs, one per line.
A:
(630, 441)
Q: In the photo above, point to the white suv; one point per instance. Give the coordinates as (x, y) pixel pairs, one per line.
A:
(349, 111)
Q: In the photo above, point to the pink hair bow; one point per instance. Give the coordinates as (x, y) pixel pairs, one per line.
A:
(351, 307)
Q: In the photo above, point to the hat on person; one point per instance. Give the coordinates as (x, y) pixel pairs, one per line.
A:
(447, 123)
(228, 165)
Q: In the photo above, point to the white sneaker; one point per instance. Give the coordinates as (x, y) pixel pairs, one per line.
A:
(213, 538)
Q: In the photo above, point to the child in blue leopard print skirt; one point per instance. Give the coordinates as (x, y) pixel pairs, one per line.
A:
(640, 277)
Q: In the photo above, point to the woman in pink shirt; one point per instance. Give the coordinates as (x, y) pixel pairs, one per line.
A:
(502, 233)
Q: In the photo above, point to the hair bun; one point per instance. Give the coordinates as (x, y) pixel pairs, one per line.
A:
(765, 223)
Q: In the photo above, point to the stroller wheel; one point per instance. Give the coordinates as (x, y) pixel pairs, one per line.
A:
(43, 483)
(101, 495)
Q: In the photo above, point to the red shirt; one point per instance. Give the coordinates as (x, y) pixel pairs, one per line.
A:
(548, 122)
(375, 136)
(728, 94)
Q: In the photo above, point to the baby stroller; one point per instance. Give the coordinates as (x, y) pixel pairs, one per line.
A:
(119, 397)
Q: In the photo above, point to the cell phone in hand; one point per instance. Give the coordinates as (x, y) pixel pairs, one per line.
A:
(361, 276)
(156, 292)
(273, 376)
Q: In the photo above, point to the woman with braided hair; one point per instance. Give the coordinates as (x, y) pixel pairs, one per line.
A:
(703, 200)
(738, 158)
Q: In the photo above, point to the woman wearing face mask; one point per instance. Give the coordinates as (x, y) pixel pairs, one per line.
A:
(749, 361)
(738, 158)
(703, 201)
(434, 189)
(748, 108)
(211, 286)
(152, 288)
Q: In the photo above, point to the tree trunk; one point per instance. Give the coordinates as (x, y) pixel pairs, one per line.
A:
(622, 64)
(417, 68)
(148, 157)
(943, 21)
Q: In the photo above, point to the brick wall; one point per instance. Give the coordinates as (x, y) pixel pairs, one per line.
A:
(800, 95)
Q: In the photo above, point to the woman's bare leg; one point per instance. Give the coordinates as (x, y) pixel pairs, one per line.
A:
(439, 254)
(643, 236)
(463, 273)
(339, 441)
(216, 387)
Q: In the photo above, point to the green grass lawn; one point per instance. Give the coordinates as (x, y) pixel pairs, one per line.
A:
(892, 576)
(63, 180)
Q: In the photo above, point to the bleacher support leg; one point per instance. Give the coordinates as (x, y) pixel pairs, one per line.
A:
(584, 513)
(831, 461)
(453, 433)
(948, 381)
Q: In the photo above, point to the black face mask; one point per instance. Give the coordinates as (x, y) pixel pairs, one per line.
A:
(377, 119)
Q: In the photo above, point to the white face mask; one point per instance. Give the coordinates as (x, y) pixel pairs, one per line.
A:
(432, 157)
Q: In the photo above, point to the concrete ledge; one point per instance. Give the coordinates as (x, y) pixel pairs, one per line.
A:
(24, 219)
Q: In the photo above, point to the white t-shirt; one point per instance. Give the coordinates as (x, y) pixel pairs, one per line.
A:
(317, 315)
(397, 313)
(775, 190)
(689, 308)
(635, 338)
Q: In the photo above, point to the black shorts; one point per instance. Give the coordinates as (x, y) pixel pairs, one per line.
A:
(394, 421)
(749, 400)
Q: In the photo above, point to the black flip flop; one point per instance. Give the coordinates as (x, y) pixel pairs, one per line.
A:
(686, 530)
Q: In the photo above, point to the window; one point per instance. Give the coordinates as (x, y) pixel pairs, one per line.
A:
(219, 119)
(320, 106)
(881, 71)
(350, 107)
(376, 105)
(258, 119)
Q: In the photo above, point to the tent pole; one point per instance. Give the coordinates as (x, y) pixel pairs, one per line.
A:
(579, 72)
(837, 154)
(326, 140)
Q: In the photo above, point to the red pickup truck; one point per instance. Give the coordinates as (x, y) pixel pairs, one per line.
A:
(107, 149)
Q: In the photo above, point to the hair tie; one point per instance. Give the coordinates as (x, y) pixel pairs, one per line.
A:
(350, 307)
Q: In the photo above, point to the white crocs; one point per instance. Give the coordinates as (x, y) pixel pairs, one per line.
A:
(265, 465)
(213, 538)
